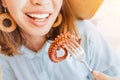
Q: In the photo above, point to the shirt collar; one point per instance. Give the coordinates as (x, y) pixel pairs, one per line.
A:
(31, 54)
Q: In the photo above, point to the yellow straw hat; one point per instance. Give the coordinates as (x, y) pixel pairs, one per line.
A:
(85, 9)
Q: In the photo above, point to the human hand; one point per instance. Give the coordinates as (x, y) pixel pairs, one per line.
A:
(101, 76)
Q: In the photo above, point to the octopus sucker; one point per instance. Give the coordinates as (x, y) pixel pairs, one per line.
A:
(58, 43)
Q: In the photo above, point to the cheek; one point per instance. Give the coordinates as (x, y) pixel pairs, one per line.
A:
(58, 4)
(15, 7)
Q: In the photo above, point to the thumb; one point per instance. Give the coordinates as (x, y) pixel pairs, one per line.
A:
(101, 76)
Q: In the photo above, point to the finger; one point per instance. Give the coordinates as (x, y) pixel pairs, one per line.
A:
(95, 79)
(101, 76)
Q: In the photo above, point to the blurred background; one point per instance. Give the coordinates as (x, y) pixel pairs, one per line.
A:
(107, 20)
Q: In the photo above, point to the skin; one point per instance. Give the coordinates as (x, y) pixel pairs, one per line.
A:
(101, 76)
(34, 30)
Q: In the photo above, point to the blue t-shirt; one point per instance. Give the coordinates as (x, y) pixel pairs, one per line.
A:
(37, 65)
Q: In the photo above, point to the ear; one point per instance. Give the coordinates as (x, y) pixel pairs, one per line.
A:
(4, 3)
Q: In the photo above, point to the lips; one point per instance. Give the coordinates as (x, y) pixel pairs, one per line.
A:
(38, 18)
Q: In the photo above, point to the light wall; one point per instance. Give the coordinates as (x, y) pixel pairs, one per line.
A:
(107, 19)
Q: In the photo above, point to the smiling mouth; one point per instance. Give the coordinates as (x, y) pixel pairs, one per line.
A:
(38, 17)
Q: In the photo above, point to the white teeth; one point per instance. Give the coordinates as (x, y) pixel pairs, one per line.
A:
(38, 15)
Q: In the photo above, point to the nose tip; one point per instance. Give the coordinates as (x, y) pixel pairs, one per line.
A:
(39, 2)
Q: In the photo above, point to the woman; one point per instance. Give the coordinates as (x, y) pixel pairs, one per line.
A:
(24, 49)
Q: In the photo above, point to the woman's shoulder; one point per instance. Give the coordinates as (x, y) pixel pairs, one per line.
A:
(86, 26)
(7, 73)
(3, 60)
(87, 29)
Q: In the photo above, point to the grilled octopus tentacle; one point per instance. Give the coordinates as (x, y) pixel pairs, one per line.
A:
(57, 44)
